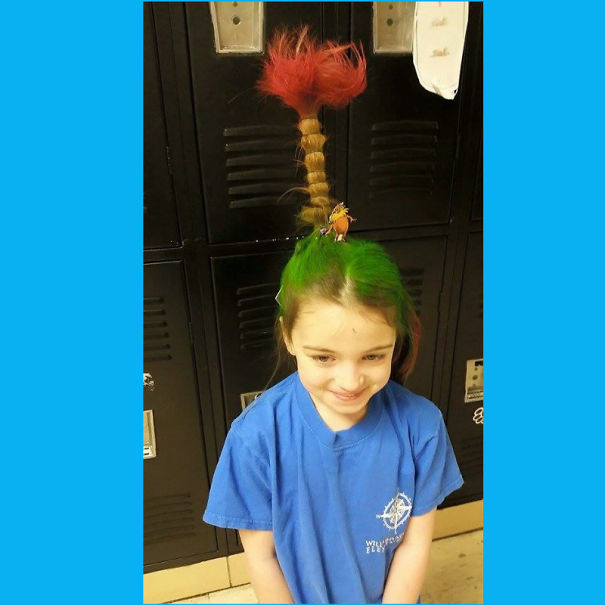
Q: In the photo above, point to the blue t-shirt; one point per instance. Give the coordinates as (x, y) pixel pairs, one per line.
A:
(339, 502)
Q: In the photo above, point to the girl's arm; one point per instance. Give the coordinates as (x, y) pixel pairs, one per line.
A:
(265, 573)
(410, 561)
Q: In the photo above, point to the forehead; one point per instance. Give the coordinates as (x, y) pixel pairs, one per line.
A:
(332, 326)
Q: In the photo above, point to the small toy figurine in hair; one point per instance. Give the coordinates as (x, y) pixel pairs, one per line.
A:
(339, 222)
(306, 75)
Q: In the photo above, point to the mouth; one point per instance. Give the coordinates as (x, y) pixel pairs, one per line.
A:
(347, 397)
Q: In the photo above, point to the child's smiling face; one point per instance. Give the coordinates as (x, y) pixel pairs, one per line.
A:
(354, 364)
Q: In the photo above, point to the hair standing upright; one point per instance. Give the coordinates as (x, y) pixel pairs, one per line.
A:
(307, 75)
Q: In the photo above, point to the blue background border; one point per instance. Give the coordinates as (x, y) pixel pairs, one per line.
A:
(543, 229)
(72, 232)
(72, 144)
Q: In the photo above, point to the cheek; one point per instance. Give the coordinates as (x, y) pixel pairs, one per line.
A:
(381, 374)
(312, 374)
(379, 378)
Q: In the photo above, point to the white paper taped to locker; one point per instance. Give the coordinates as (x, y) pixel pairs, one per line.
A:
(437, 45)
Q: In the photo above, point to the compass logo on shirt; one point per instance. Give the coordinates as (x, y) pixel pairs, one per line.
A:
(396, 512)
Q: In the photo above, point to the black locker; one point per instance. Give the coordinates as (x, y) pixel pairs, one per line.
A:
(176, 479)
(420, 261)
(245, 287)
(402, 141)
(248, 144)
(465, 420)
(159, 204)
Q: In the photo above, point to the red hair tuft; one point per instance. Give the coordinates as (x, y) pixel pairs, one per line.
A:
(306, 75)
(339, 79)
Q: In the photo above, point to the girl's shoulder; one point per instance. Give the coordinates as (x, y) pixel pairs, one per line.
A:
(420, 414)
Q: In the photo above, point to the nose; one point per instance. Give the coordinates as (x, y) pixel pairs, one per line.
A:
(349, 379)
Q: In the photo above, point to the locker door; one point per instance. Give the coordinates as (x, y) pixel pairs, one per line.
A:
(402, 142)
(465, 419)
(159, 203)
(420, 261)
(245, 287)
(248, 144)
(175, 480)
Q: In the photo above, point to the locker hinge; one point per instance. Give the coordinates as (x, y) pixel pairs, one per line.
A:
(190, 333)
(169, 160)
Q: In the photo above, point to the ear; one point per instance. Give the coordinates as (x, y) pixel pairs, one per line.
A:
(287, 341)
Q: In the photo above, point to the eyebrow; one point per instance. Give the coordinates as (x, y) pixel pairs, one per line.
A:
(330, 351)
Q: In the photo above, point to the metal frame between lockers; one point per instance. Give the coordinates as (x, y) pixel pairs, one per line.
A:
(173, 37)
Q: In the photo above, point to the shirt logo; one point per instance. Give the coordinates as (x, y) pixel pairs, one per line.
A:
(396, 512)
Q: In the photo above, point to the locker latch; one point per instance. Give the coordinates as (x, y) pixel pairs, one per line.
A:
(473, 389)
(149, 450)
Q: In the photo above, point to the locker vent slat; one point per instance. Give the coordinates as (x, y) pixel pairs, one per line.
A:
(402, 158)
(406, 126)
(413, 280)
(256, 316)
(168, 518)
(156, 337)
(261, 166)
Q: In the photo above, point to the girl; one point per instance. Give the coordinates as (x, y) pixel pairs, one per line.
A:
(332, 476)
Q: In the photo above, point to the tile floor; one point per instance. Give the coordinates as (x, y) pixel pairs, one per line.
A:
(455, 575)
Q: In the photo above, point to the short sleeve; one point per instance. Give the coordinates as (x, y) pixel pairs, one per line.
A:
(240, 494)
(437, 472)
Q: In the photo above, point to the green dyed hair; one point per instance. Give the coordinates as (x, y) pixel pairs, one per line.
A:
(354, 272)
